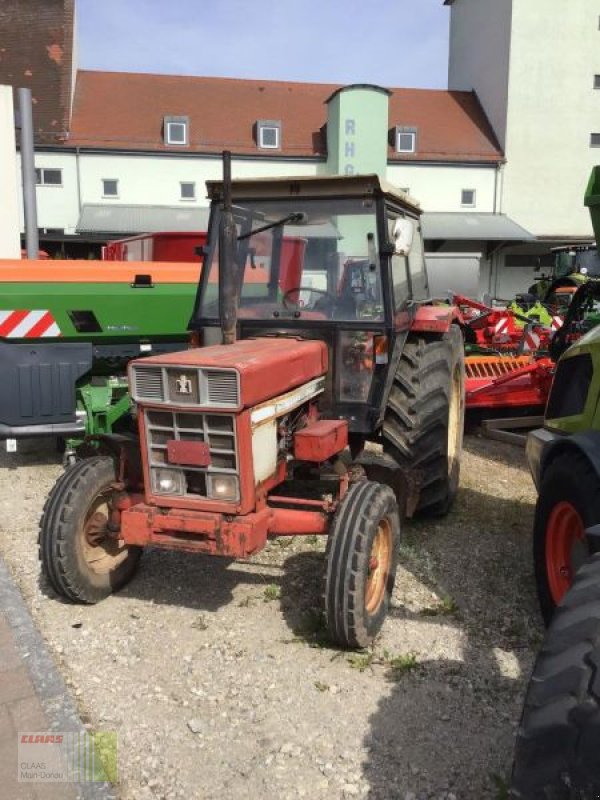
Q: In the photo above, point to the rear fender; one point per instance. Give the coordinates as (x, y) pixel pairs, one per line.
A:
(587, 443)
(436, 319)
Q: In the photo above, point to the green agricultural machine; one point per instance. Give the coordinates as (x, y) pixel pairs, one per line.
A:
(68, 330)
(572, 264)
(556, 753)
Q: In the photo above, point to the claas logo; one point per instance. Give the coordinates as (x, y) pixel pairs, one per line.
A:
(41, 738)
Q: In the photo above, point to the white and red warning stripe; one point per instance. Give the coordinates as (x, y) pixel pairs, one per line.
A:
(501, 326)
(25, 324)
(557, 323)
(531, 341)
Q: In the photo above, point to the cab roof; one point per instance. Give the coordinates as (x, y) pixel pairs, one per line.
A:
(312, 186)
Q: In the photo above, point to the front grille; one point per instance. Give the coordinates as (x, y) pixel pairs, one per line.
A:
(190, 386)
(218, 430)
(148, 383)
(222, 387)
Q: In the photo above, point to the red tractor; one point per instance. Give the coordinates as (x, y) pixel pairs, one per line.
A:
(329, 344)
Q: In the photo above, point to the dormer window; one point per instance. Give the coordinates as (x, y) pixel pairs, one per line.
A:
(176, 131)
(268, 134)
(406, 139)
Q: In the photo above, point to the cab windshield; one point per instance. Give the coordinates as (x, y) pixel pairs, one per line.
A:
(314, 259)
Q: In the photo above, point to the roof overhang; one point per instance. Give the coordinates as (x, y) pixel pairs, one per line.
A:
(472, 226)
(130, 219)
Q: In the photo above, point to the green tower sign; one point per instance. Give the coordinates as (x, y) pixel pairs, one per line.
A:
(357, 130)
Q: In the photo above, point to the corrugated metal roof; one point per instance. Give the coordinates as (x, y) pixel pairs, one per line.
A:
(140, 219)
(473, 226)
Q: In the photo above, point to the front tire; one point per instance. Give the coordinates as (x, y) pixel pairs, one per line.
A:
(361, 558)
(80, 560)
(556, 752)
(568, 503)
(424, 420)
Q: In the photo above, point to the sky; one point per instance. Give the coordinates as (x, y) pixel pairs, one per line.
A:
(392, 43)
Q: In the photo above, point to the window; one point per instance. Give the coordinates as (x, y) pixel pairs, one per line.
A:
(406, 139)
(399, 270)
(110, 187)
(467, 198)
(594, 139)
(188, 191)
(416, 266)
(176, 130)
(48, 177)
(405, 189)
(596, 81)
(269, 134)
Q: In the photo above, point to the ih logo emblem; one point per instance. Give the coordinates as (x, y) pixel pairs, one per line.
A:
(184, 385)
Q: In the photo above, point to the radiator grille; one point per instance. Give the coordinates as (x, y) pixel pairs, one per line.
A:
(218, 430)
(148, 383)
(222, 388)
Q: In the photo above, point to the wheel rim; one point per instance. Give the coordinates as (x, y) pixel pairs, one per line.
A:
(102, 552)
(566, 548)
(454, 417)
(378, 567)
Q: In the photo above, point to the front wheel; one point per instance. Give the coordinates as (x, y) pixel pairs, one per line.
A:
(81, 558)
(362, 554)
(568, 503)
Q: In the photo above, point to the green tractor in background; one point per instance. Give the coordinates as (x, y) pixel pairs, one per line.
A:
(558, 741)
(573, 264)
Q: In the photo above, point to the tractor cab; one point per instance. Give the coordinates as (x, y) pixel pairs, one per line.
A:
(337, 259)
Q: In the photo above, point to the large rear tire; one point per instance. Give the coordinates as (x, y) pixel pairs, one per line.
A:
(558, 741)
(80, 559)
(424, 420)
(361, 558)
(568, 503)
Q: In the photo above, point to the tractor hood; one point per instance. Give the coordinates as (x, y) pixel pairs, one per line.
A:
(267, 367)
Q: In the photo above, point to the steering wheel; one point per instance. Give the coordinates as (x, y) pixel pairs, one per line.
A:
(289, 303)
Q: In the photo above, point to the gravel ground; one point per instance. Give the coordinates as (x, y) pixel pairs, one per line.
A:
(217, 678)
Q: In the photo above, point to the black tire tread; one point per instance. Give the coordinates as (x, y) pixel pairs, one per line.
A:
(557, 742)
(54, 532)
(346, 548)
(415, 427)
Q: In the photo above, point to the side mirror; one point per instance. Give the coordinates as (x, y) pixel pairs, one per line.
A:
(402, 235)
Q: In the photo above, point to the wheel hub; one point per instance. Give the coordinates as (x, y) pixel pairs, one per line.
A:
(566, 548)
(378, 567)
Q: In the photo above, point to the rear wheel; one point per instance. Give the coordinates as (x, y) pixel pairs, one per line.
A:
(568, 503)
(361, 557)
(424, 421)
(556, 752)
(82, 560)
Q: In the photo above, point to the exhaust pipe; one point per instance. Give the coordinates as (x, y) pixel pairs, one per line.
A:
(228, 268)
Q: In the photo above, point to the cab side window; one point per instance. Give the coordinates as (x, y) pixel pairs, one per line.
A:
(400, 274)
(416, 265)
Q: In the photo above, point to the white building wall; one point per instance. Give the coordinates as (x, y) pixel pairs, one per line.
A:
(155, 180)
(10, 245)
(57, 206)
(479, 53)
(552, 110)
(439, 187)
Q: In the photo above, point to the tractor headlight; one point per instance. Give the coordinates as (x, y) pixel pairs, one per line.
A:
(168, 481)
(223, 487)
